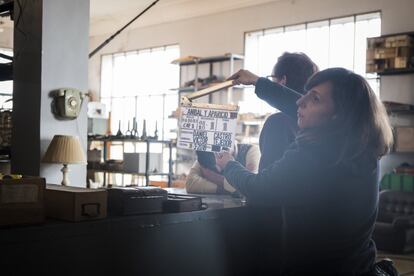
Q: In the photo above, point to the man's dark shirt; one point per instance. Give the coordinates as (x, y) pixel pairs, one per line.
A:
(278, 133)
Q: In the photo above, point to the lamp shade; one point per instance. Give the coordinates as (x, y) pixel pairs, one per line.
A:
(64, 150)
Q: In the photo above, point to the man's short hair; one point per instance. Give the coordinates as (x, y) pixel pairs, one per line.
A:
(297, 67)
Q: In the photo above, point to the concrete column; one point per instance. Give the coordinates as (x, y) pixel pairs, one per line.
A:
(51, 52)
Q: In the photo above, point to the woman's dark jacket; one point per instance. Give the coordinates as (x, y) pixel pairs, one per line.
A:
(329, 209)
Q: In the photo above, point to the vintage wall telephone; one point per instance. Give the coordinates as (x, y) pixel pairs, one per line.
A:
(67, 103)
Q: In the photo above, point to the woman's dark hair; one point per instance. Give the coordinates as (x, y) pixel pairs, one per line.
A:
(360, 119)
(207, 160)
(297, 67)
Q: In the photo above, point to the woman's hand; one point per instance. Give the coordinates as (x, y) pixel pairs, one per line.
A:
(212, 176)
(244, 77)
(222, 158)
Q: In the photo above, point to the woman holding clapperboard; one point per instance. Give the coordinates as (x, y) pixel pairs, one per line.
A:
(204, 176)
(326, 181)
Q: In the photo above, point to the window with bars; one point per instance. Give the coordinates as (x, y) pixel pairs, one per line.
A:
(137, 84)
(336, 42)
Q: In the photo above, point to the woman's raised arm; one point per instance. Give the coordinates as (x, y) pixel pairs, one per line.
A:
(276, 95)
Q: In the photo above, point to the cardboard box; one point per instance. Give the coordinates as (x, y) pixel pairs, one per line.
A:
(370, 54)
(401, 62)
(371, 68)
(404, 139)
(75, 204)
(384, 53)
(22, 201)
(404, 41)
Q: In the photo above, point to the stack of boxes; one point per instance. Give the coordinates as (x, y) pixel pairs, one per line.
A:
(390, 53)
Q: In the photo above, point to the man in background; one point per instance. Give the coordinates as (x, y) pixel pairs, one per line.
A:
(291, 70)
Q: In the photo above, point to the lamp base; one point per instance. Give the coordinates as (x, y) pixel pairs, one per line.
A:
(65, 171)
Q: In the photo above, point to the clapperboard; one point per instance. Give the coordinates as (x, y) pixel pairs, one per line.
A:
(207, 127)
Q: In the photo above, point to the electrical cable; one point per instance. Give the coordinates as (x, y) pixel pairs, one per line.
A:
(6, 57)
(103, 44)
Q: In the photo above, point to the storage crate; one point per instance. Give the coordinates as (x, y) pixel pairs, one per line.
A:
(75, 204)
(397, 182)
(22, 201)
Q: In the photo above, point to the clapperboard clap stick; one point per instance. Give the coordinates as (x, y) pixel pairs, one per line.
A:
(206, 91)
(187, 100)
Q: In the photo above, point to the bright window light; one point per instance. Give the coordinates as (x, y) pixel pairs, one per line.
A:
(339, 42)
(137, 84)
(6, 87)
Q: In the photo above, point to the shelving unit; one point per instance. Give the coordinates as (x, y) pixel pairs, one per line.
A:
(106, 143)
(391, 54)
(197, 61)
(396, 72)
(193, 68)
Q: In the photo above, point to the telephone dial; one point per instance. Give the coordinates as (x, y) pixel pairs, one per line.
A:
(67, 103)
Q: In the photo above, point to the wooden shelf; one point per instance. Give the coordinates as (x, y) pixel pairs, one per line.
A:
(121, 140)
(396, 72)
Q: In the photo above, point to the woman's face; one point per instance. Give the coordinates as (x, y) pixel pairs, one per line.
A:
(316, 108)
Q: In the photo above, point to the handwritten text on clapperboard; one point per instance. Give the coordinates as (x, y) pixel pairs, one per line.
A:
(207, 129)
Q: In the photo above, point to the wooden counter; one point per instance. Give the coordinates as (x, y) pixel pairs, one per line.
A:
(217, 241)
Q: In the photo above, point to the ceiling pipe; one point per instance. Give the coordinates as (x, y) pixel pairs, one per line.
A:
(103, 44)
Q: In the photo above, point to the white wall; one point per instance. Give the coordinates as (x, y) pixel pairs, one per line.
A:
(49, 54)
(64, 70)
(6, 38)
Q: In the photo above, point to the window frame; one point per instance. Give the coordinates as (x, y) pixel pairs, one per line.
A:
(328, 22)
(165, 95)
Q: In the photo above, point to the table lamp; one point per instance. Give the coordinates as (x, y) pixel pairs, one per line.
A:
(65, 150)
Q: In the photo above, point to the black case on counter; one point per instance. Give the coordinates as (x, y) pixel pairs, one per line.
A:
(136, 200)
(183, 203)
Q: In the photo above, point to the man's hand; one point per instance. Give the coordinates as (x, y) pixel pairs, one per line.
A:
(222, 158)
(244, 77)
